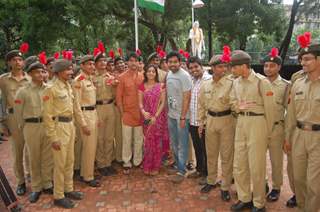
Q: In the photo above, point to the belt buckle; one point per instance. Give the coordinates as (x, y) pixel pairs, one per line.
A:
(247, 113)
(307, 127)
(39, 119)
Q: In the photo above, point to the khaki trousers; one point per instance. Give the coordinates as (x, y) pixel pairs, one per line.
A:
(132, 139)
(64, 160)
(40, 155)
(77, 149)
(118, 135)
(17, 145)
(276, 155)
(306, 169)
(89, 145)
(220, 140)
(106, 117)
(250, 159)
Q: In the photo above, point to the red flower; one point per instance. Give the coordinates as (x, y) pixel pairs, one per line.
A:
(101, 47)
(186, 55)
(56, 55)
(96, 51)
(24, 48)
(162, 54)
(159, 48)
(181, 51)
(138, 52)
(274, 52)
(43, 58)
(81, 77)
(304, 40)
(120, 52)
(226, 56)
(111, 53)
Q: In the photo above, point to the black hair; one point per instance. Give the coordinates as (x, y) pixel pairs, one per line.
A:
(117, 59)
(146, 70)
(194, 59)
(173, 54)
(132, 55)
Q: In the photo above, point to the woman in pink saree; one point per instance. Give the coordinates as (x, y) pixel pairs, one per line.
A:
(151, 101)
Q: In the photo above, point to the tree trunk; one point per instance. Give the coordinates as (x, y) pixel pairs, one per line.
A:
(209, 30)
(173, 44)
(287, 39)
(243, 43)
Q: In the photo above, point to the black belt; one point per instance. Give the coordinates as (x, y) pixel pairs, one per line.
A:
(34, 120)
(88, 108)
(63, 119)
(104, 102)
(219, 114)
(251, 114)
(10, 110)
(278, 122)
(308, 127)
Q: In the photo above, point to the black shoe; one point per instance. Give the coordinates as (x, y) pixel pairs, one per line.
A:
(225, 195)
(207, 188)
(292, 202)
(93, 183)
(21, 189)
(189, 166)
(239, 206)
(267, 188)
(103, 171)
(273, 195)
(48, 190)
(76, 175)
(64, 203)
(34, 196)
(16, 208)
(255, 209)
(202, 181)
(112, 170)
(75, 195)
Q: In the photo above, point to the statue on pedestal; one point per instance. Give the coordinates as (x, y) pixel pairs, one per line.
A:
(197, 40)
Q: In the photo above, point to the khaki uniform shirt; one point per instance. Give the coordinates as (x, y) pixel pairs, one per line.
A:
(104, 91)
(254, 94)
(304, 104)
(9, 86)
(214, 96)
(85, 95)
(29, 102)
(281, 89)
(297, 75)
(162, 75)
(57, 101)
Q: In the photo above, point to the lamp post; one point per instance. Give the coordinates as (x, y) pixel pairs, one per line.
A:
(195, 4)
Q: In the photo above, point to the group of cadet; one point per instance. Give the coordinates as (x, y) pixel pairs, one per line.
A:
(68, 117)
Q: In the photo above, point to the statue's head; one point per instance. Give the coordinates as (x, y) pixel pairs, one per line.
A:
(196, 24)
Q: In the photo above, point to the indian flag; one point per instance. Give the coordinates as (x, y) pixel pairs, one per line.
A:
(157, 5)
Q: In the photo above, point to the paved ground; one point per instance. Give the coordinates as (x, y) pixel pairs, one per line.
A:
(138, 192)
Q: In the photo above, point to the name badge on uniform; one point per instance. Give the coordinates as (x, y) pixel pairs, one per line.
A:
(62, 97)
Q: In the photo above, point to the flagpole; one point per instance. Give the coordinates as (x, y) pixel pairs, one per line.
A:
(136, 24)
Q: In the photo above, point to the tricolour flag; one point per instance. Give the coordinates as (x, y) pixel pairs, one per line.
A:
(157, 5)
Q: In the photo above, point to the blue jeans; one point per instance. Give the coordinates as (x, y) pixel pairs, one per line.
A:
(179, 138)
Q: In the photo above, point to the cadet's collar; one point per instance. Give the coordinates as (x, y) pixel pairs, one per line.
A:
(306, 78)
(277, 80)
(251, 75)
(221, 80)
(61, 83)
(25, 76)
(34, 85)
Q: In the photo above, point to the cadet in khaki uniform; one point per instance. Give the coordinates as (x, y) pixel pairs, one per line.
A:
(9, 84)
(272, 66)
(58, 120)
(106, 116)
(215, 114)
(86, 117)
(253, 99)
(28, 112)
(303, 127)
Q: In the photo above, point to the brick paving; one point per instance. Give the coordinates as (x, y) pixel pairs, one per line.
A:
(138, 192)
